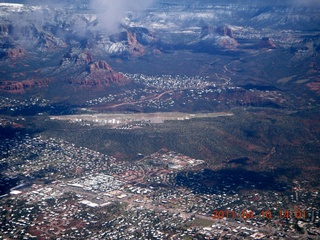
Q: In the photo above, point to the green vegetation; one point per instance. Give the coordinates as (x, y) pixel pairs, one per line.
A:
(202, 222)
(268, 138)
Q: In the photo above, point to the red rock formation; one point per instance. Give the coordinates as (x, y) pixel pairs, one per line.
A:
(227, 39)
(223, 37)
(16, 53)
(227, 42)
(88, 57)
(50, 42)
(23, 86)
(85, 57)
(99, 66)
(138, 39)
(136, 48)
(100, 75)
(266, 43)
(225, 31)
(315, 85)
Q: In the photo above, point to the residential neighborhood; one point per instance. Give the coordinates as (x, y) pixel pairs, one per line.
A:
(163, 195)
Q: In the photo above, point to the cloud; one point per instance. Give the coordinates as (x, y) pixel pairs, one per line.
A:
(307, 3)
(288, 3)
(112, 12)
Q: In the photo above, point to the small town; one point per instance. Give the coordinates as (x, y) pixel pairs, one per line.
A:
(74, 192)
(14, 104)
(157, 91)
(168, 92)
(160, 120)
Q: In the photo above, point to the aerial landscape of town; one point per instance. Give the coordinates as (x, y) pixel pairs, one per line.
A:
(159, 119)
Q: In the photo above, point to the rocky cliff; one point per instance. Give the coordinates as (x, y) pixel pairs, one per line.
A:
(218, 37)
(135, 47)
(266, 43)
(23, 86)
(15, 53)
(98, 75)
(135, 41)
